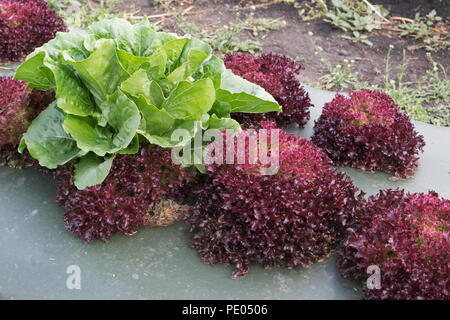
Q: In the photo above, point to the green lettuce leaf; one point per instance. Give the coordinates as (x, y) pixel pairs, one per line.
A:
(143, 37)
(154, 121)
(184, 71)
(143, 90)
(244, 102)
(191, 100)
(154, 65)
(123, 116)
(173, 50)
(71, 96)
(244, 96)
(102, 71)
(89, 136)
(170, 139)
(132, 148)
(212, 68)
(34, 71)
(47, 141)
(37, 69)
(115, 29)
(91, 170)
(137, 85)
(223, 123)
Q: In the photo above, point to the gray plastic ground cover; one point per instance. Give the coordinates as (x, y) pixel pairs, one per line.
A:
(36, 250)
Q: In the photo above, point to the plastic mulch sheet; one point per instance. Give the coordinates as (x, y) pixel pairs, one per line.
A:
(36, 250)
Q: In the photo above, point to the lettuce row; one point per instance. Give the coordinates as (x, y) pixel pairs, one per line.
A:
(117, 84)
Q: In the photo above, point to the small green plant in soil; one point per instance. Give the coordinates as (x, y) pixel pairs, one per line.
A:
(81, 13)
(229, 38)
(428, 100)
(315, 9)
(356, 18)
(340, 76)
(423, 28)
(232, 38)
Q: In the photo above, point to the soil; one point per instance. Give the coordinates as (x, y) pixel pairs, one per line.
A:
(292, 40)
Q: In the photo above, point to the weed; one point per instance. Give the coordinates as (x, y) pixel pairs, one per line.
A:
(229, 38)
(355, 17)
(261, 25)
(81, 13)
(339, 76)
(428, 100)
(318, 9)
(428, 29)
(358, 37)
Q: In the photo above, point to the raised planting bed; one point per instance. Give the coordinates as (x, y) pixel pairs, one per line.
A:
(36, 250)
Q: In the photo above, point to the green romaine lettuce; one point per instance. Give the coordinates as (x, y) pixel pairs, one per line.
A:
(118, 84)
